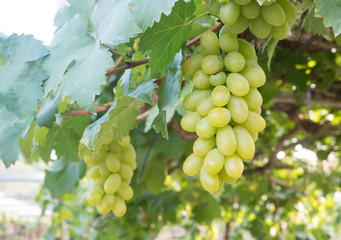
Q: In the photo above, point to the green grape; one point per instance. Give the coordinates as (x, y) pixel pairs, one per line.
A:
(94, 172)
(95, 196)
(112, 184)
(273, 14)
(238, 108)
(125, 192)
(99, 181)
(226, 140)
(247, 49)
(202, 146)
(192, 100)
(226, 178)
(103, 170)
(209, 182)
(112, 162)
(280, 32)
(218, 79)
(253, 99)
(242, 2)
(260, 28)
(223, 1)
(189, 121)
(234, 62)
(234, 166)
(238, 85)
(226, 30)
(251, 10)
(119, 208)
(214, 161)
(192, 165)
(229, 12)
(125, 141)
(214, 7)
(129, 156)
(106, 204)
(126, 172)
(228, 43)
(220, 96)
(254, 122)
(245, 144)
(115, 147)
(203, 108)
(254, 136)
(219, 117)
(251, 63)
(200, 80)
(109, 137)
(267, 3)
(255, 76)
(221, 186)
(289, 9)
(212, 64)
(209, 43)
(98, 157)
(89, 161)
(193, 64)
(240, 25)
(205, 129)
(258, 110)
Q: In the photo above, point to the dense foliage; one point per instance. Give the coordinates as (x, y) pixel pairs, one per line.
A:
(64, 98)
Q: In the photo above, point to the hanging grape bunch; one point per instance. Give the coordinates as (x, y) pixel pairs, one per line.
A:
(112, 170)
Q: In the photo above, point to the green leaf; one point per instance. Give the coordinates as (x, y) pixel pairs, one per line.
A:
(155, 175)
(314, 24)
(113, 21)
(270, 51)
(200, 8)
(83, 80)
(149, 11)
(144, 91)
(40, 135)
(165, 38)
(63, 176)
(121, 118)
(330, 11)
(26, 143)
(47, 111)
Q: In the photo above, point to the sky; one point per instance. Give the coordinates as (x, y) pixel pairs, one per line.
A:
(29, 17)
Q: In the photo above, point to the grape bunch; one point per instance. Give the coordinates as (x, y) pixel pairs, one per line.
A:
(225, 108)
(112, 170)
(272, 18)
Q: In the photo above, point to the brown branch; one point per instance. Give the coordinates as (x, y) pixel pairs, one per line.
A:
(184, 135)
(229, 223)
(100, 108)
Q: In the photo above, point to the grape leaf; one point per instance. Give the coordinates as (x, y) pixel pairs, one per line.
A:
(83, 79)
(113, 21)
(121, 118)
(314, 24)
(149, 11)
(330, 11)
(164, 39)
(26, 143)
(47, 111)
(199, 7)
(270, 51)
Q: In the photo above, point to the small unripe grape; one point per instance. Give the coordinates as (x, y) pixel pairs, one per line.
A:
(229, 12)
(273, 14)
(129, 156)
(221, 186)
(192, 165)
(234, 62)
(280, 32)
(125, 141)
(253, 99)
(209, 182)
(220, 96)
(112, 162)
(238, 108)
(212, 64)
(214, 161)
(104, 171)
(246, 49)
(245, 143)
(255, 76)
(94, 172)
(219, 117)
(289, 9)
(240, 25)
(254, 122)
(209, 43)
(205, 129)
(260, 28)
(254, 136)
(204, 107)
(202, 146)
(125, 191)
(95, 196)
(226, 140)
(242, 2)
(112, 184)
(200, 80)
(192, 100)
(218, 79)
(251, 10)
(189, 121)
(238, 85)
(115, 147)
(108, 137)
(126, 172)
(193, 64)
(228, 43)
(234, 166)
(227, 178)
(119, 208)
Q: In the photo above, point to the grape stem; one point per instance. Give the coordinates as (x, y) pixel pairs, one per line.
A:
(117, 52)
(151, 144)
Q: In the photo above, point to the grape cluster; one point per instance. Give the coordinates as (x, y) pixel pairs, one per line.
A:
(272, 18)
(112, 170)
(225, 108)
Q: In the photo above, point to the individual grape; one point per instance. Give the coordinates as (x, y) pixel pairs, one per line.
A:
(108, 137)
(255, 76)
(251, 10)
(253, 99)
(260, 28)
(226, 30)
(254, 136)
(289, 9)
(220, 96)
(191, 101)
(209, 182)
(228, 43)
(234, 62)
(254, 122)
(234, 166)
(267, 3)
(201, 80)
(209, 43)
(252, 62)
(95, 196)
(99, 181)
(245, 145)
(212, 64)
(115, 147)
(226, 140)
(112, 184)
(98, 157)
(238, 108)
(94, 172)
(203, 108)
(229, 12)
(126, 172)
(273, 14)
(218, 79)
(226, 178)
(219, 117)
(112, 162)
(246, 49)
(192, 165)
(193, 64)
(106, 204)
(221, 186)
(103, 170)
(238, 85)
(189, 121)
(242, 2)
(125, 191)
(89, 161)
(214, 7)
(240, 25)
(205, 129)
(214, 161)
(125, 141)
(119, 208)
(202, 146)
(258, 110)
(129, 156)
(280, 32)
